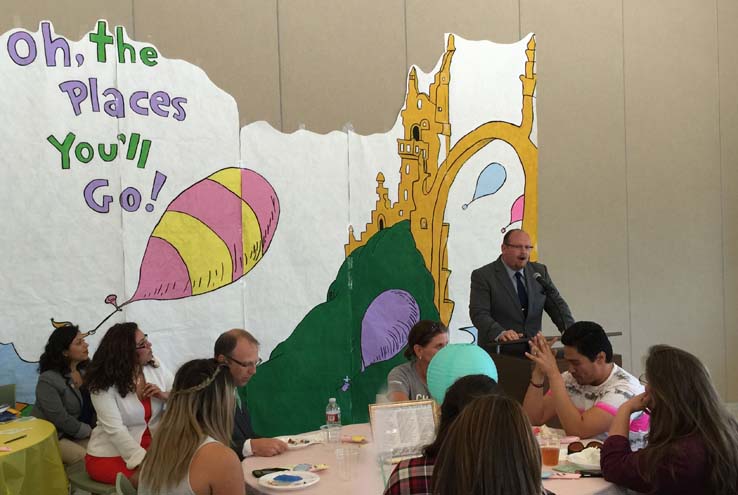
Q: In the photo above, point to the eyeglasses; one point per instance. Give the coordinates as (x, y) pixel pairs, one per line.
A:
(643, 379)
(520, 246)
(247, 364)
(575, 447)
(142, 344)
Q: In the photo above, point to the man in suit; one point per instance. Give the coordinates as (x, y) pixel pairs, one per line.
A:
(507, 302)
(239, 350)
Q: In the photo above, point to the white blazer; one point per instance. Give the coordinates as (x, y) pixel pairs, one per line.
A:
(120, 420)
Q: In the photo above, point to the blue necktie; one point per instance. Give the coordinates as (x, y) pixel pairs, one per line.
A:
(522, 294)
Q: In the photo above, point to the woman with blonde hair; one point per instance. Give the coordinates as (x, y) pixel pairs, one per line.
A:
(692, 439)
(489, 450)
(190, 453)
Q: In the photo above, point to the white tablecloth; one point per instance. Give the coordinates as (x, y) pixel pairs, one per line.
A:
(369, 479)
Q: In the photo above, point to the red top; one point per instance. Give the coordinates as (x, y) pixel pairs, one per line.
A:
(146, 437)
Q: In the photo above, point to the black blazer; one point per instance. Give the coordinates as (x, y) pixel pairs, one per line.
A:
(242, 430)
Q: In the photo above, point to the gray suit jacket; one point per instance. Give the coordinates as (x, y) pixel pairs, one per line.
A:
(58, 402)
(494, 306)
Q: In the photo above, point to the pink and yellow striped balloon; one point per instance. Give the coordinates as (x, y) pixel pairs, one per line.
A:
(211, 235)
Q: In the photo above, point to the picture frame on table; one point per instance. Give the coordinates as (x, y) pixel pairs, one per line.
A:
(402, 429)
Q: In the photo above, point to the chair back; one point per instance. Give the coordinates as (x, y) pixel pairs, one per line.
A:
(123, 486)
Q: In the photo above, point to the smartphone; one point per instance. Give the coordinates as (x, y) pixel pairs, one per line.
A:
(590, 473)
(258, 473)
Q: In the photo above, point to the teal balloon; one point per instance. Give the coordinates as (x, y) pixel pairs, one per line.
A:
(455, 361)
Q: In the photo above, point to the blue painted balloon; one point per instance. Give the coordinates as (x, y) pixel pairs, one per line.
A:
(490, 181)
(455, 361)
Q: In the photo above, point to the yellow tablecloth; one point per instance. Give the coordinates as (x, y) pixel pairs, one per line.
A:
(33, 466)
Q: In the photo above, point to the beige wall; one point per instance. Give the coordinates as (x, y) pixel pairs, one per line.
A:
(638, 127)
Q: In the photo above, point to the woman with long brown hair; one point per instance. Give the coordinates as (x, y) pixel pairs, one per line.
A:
(128, 389)
(190, 453)
(692, 441)
(413, 476)
(489, 450)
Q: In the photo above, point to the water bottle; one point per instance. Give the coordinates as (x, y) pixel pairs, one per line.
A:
(332, 413)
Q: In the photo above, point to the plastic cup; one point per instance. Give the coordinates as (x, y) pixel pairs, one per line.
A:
(550, 449)
(331, 433)
(347, 459)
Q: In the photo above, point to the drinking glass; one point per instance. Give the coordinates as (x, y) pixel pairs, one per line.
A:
(550, 449)
(347, 458)
(331, 433)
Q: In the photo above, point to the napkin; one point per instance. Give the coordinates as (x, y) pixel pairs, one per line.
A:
(588, 457)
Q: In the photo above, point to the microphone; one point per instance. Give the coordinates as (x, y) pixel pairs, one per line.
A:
(547, 287)
(549, 290)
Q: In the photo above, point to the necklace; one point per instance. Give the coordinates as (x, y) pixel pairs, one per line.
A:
(140, 379)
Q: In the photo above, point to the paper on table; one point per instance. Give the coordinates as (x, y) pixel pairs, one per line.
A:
(404, 430)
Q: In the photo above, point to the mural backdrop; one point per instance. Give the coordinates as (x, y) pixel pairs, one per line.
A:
(132, 194)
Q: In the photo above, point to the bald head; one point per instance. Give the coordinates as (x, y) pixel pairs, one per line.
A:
(239, 350)
(516, 248)
(227, 341)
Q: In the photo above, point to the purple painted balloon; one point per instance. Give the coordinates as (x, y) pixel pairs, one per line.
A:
(386, 324)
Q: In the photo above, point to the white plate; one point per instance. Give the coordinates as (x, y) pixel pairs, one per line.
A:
(296, 446)
(308, 479)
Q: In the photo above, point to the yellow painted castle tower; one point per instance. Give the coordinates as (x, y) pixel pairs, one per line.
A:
(428, 167)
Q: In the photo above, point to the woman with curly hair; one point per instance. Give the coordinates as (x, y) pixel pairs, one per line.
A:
(128, 389)
(692, 439)
(60, 397)
(191, 451)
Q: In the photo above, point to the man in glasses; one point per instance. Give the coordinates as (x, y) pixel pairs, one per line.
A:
(586, 397)
(507, 302)
(239, 350)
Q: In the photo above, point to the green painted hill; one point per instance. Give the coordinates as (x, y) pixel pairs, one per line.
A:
(289, 392)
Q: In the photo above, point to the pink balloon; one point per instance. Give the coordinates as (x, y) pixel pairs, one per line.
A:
(516, 212)
(216, 203)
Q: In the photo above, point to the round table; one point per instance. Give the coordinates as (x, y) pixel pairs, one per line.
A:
(33, 466)
(369, 478)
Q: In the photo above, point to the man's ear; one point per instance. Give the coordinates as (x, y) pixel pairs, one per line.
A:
(220, 358)
(601, 358)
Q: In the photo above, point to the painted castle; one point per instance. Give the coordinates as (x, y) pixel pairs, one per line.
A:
(429, 166)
